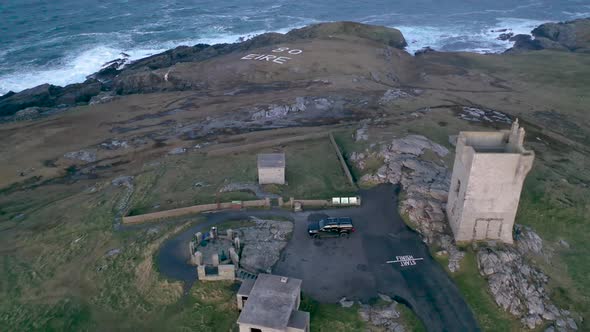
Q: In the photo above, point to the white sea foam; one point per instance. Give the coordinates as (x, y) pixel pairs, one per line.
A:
(72, 69)
(459, 38)
(75, 68)
(435, 37)
(516, 26)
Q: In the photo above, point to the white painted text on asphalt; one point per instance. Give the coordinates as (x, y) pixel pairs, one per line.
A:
(406, 260)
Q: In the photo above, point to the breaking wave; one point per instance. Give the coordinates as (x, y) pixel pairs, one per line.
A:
(74, 68)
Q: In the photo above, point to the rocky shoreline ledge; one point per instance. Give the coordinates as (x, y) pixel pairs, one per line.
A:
(118, 77)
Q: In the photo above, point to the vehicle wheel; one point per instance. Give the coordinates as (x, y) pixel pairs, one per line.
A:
(343, 234)
(316, 236)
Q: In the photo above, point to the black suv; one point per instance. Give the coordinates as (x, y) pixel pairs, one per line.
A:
(331, 227)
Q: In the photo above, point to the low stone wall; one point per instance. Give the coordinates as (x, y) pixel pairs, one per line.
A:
(225, 272)
(192, 210)
(313, 202)
(257, 203)
(342, 161)
(224, 150)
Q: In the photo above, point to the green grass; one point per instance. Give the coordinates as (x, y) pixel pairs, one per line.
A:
(551, 81)
(331, 317)
(410, 320)
(559, 210)
(569, 69)
(210, 306)
(312, 172)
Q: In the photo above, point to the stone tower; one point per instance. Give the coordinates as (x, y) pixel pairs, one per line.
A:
(489, 170)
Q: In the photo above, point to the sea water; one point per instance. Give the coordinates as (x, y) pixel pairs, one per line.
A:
(62, 41)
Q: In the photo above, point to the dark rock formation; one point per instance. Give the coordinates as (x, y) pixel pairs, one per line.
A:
(40, 96)
(139, 77)
(150, 75)
(47, 95)
(505, 36)
(383, 35)
(424, 50)
(571, 36)
(524, 43)
(78, 93)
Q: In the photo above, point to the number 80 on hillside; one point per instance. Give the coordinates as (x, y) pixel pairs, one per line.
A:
(280, 59)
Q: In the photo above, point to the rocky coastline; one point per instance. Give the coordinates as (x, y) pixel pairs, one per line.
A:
(203, 101)
(148, 75)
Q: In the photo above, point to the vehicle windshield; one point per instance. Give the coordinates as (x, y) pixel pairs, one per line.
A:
(322, 223)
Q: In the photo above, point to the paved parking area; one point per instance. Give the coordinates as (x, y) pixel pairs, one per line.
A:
(358, 267)
(361, 266)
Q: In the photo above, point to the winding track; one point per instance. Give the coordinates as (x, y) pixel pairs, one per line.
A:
(354, 267)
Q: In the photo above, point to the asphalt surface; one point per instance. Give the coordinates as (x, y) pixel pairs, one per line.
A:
(354, 267)
(357, 268)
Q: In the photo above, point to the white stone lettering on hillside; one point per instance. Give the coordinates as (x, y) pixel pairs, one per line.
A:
(406, 260)
(280, 49)
(274, 58)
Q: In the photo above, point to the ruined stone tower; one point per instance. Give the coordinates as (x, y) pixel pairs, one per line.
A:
(489, 170)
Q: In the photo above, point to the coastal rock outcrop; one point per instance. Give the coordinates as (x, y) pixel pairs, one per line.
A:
(47, 95)
(40, 96)
(519, 287)
(384, 35)
(571, 36)
(155, 73)
(263, 243)
(300, 104)
(86, 156)
(386, 316)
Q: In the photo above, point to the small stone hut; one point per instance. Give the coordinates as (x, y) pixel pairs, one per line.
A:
(271, 168)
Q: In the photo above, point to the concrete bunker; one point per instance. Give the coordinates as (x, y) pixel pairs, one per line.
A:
(271, 303)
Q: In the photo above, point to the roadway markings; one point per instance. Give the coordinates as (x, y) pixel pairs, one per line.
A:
(406, 260)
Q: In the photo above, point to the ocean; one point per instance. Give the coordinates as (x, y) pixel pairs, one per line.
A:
(62, 41)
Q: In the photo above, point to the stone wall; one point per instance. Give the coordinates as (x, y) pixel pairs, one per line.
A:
(224, 149)
(225, 272)
(191, 210)
(313, 202)
(342, 161)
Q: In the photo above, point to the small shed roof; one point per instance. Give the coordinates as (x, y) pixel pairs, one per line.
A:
(246, 287)
(271, 302)
(271, 160)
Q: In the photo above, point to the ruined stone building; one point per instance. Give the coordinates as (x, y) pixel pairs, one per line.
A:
(270, 304)
(271, 168)
(488, 174)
